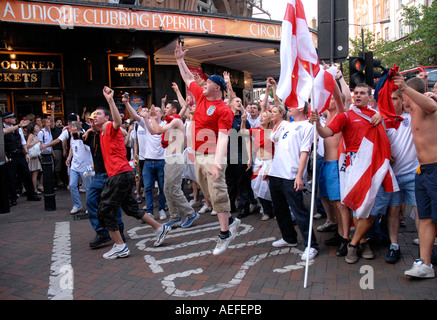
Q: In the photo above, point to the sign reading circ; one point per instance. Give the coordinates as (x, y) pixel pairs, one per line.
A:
(69, 16)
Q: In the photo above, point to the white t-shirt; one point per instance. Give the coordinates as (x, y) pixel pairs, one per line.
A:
(140, 134)
(402, 147)
(82, 157)
(151, 143)
(254, 123)
(296, 137)
(45, 136)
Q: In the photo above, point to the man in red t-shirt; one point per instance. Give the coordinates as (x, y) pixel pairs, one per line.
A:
(353, 127)
(118, 189)
(212, 122)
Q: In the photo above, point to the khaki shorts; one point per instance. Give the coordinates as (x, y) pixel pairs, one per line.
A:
(215, 190)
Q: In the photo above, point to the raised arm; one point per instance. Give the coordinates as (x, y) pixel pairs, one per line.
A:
(129, 108)
(274, 87)
(108, 93)
(324, 132)
(186, 74)
(23, 123)
(338, 99)
(269, 85)
(229, 90)
(427, 104)
(243, 129)
(181, 99)
(52, 121)
(344, 89)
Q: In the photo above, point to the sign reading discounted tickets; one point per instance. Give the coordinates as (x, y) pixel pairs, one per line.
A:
(70, 16)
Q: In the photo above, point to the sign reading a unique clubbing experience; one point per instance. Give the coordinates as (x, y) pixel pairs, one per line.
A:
(128, 73)
(79, 15)
(31, 71)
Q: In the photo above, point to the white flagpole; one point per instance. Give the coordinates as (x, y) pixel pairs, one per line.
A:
(313, 184)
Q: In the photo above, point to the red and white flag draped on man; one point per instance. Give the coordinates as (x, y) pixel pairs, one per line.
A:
(369, 170)
(297, 53)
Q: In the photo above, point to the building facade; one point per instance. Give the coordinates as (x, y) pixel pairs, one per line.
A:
(381, 17)
(66, 51)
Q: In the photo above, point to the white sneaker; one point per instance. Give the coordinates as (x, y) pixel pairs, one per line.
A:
(161, 233)
(194, 203)
(117, 252)
(233, 227)
(327, 226)
(162, 215)
(213, 213)
(222, 245)
(282, 243)
(416, 241)
(312, 253)
(254, 207)
(420, 270)
(75, 209)
(205, 208)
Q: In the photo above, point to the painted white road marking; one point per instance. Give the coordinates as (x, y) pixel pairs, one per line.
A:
(169, 285)
(169, 281)
(61, 271)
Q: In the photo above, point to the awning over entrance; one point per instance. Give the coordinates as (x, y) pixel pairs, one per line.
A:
(260, 59)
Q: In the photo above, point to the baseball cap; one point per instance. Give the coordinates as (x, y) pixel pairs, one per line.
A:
(218, 80)
(269, 99)
(92, 115)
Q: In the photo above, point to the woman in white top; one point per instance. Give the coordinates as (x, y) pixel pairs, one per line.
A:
(293, 141)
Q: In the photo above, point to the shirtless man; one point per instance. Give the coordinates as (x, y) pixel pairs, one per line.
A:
(423, 110)
(174, 167)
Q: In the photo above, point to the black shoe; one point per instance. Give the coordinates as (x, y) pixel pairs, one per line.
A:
(393, 256)
(243, 213)
(100, 238)
(342, 248)
(33, 198)
(13, 203)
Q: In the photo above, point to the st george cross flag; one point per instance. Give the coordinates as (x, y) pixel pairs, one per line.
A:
(383, 93)
(297, 53)
(368, 169)
(324, 85)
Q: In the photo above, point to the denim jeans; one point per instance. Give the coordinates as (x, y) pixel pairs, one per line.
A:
(284, 197)
(153, 170)
(92, 202)
(74, 190)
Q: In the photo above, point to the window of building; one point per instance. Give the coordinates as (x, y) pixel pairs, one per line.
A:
(206, 6)
(386, 9)
(401, 29)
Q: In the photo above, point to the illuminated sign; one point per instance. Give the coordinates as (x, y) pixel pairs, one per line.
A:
(30, 71)
(128, 73)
